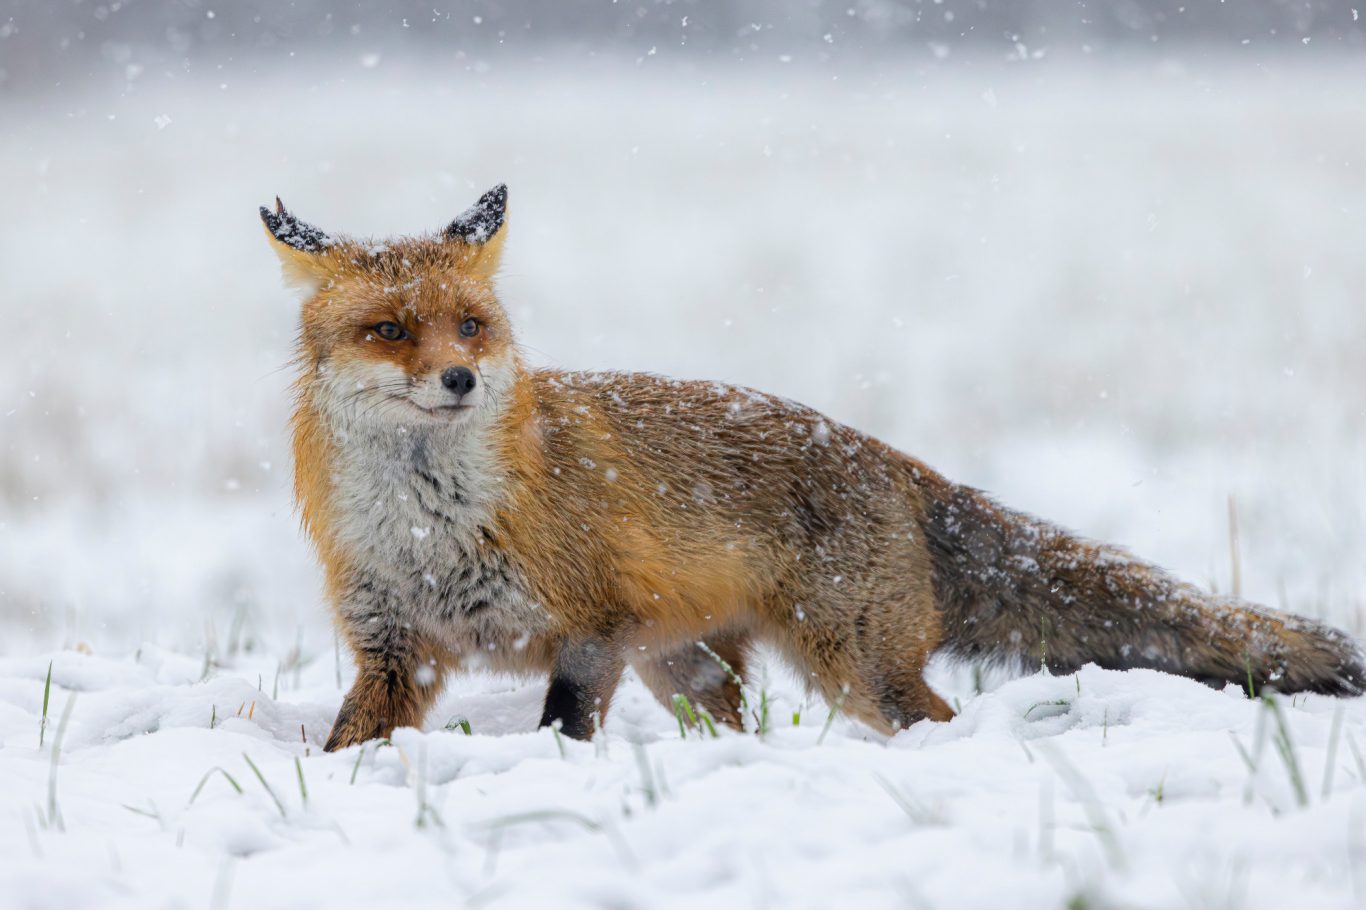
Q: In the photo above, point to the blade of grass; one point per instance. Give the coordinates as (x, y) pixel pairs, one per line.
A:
(205, 779)
(1253, 760)
(1090, 803)
(147, 813)
(834, 712)
(913, 810)
(729, 671)
(303, 787)
(262, 778)
(425, 810)
(1356, 754)
(647, 778)
(47, 696)
(683, 708)
(1286, 749)
(1243, 753)
(32, 831)
(54, 816)
(1330, 763)
(551, 815)
(1043, 646)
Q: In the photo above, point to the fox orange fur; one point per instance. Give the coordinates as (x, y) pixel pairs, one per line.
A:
(468, 508)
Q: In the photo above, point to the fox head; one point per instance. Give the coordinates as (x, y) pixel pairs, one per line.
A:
(404, 332)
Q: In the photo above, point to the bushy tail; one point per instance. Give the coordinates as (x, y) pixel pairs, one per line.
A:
(1013, 587)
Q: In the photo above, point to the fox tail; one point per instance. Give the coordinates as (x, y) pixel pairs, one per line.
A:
(1013, 587)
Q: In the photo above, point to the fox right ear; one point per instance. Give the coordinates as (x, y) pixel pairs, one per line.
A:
(302, 248)
(480, 230)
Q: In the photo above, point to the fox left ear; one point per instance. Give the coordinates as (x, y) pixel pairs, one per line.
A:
(481, 229)
(302, 248)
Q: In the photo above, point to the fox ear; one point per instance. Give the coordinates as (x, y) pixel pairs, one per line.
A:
(302, 248)
(481, 229)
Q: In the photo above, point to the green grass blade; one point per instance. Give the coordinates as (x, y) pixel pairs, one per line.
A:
(47, 696)
(205, 779)
(262, 778)
(683, 709)
(1286, 749)
(303, 787)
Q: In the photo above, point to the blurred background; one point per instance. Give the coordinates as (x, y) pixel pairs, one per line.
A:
(1105, 260)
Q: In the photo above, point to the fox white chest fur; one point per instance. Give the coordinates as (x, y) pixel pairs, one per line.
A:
(414, 508)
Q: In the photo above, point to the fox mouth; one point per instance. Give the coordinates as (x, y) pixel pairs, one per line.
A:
(441, 411)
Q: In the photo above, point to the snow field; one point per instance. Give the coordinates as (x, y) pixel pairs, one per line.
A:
(1114, 296)
(1099, 789)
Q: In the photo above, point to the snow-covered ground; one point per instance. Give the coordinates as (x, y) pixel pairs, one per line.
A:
(1115, 296)
(1101, 789)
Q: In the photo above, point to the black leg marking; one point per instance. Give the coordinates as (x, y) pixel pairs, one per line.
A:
(581, 685)
(564, 702)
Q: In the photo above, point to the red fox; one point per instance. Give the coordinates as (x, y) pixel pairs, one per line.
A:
(468, 508)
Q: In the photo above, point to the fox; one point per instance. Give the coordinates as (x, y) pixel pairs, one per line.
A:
(469, 510)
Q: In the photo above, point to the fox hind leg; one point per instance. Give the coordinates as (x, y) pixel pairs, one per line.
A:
(888, 698)
(867, 658)
(904, 698)
(698, 674)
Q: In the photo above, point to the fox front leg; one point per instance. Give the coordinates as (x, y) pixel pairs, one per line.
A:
(585, 675)
(398, 678)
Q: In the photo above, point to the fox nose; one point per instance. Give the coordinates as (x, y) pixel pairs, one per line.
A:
(459, 380)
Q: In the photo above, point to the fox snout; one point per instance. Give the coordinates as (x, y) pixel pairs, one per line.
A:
(460, 380)
(448, 388)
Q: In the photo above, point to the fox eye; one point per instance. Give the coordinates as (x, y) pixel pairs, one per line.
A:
(469, 328)
(391, 331)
